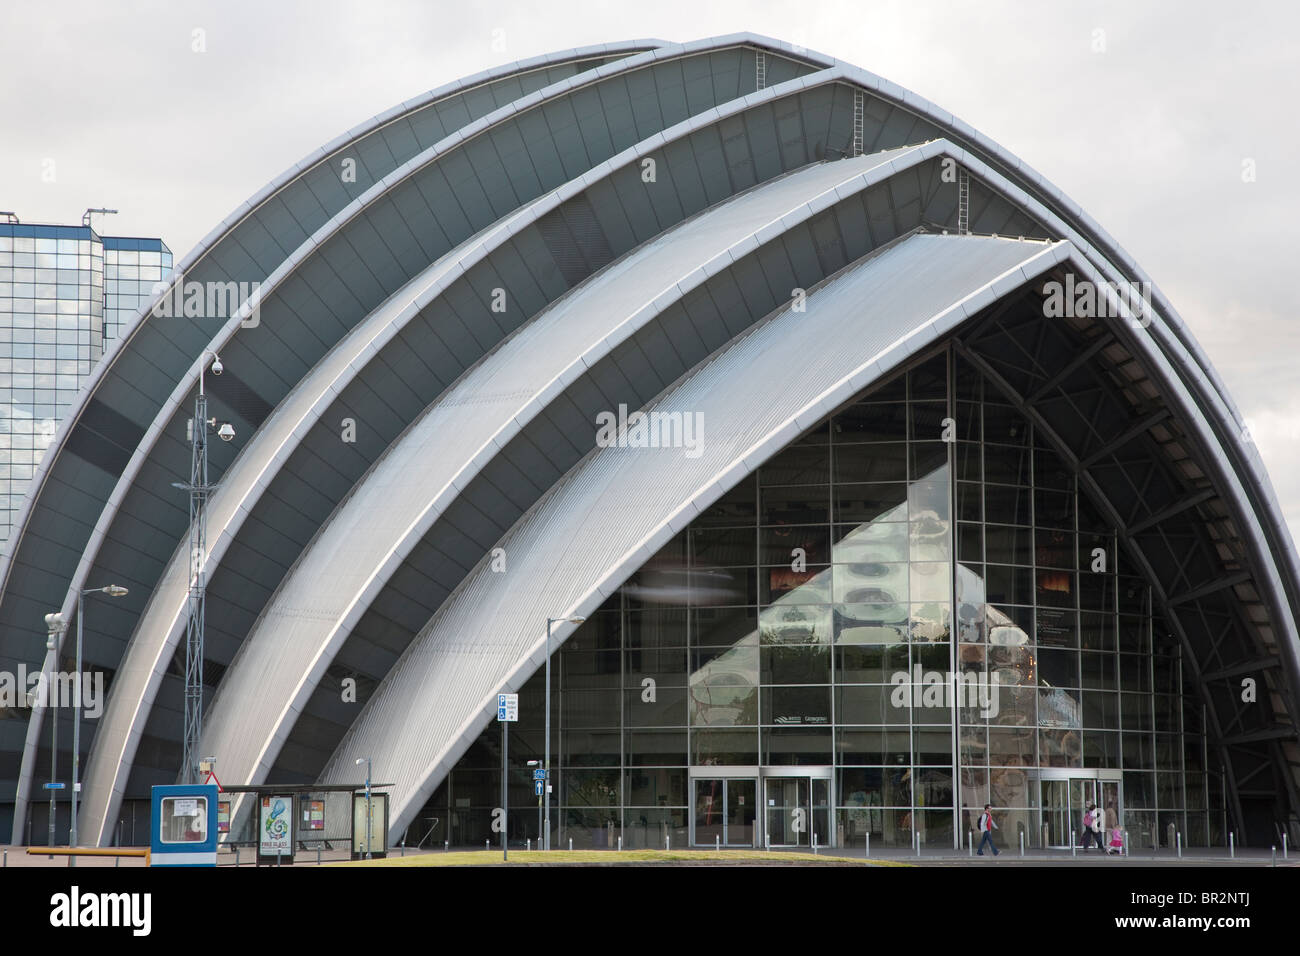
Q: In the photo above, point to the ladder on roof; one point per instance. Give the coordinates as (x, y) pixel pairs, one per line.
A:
(760, 70)
(857, 122)
(963, 201)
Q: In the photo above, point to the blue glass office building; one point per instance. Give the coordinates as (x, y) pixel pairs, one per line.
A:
(65, 295)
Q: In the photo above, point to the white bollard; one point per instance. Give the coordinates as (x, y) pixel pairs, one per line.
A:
(529, 843)
(1022, 842)
(570, 844)
(1284, 856)
(970, 843)
(868, 844)
(1072, 853)
(487, 844)
(620, 844)
(814, 843)
(1126, 842)
(717, 843)
(446, 845)
(1275, 854)
(1232, 845)
(1179, 839)
(667, 843)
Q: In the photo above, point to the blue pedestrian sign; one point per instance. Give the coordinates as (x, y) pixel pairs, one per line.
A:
(539, 774)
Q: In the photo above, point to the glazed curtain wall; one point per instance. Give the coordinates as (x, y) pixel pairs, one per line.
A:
(806, 619)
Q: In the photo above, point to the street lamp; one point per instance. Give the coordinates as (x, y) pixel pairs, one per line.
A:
(367, 763)
(55, 626)
(546, 784)
(112, 590)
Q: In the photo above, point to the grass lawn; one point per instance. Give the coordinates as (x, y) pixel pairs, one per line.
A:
(615, 858)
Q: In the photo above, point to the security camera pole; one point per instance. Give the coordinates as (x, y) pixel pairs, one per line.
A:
(199, 489)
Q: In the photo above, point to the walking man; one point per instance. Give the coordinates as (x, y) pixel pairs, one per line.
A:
(987, 826)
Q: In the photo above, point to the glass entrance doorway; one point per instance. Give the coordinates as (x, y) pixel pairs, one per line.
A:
(760, 806)
(1066, 797)
(724, 811)
(797, 809)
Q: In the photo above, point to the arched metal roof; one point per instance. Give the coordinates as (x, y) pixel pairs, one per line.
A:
(620, 505)
(527, 179)
(460, 183)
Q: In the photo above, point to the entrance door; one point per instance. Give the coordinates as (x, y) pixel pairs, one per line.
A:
(725, 809)
(1110, 805)
(1056, 812)
(1066, 798)
(789, 814)
(742, 810)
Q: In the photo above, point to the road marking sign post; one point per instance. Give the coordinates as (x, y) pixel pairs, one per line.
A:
(507, 713)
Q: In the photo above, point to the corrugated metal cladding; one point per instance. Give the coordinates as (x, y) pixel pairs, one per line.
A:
(509, 255)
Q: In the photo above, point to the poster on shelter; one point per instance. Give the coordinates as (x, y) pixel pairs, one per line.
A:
(274, 827)
(313, 815)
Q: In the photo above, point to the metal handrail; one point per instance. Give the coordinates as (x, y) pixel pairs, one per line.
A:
(145, 854)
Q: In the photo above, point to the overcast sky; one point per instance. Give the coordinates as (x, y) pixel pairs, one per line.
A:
(1150, 133)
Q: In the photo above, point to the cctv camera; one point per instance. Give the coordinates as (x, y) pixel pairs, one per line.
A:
(217, 367)
(226, 432)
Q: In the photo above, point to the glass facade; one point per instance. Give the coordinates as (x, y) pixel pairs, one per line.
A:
(131, 269)
(906, 614)
(65, 293)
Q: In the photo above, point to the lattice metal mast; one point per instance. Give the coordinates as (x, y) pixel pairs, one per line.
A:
(199, 490)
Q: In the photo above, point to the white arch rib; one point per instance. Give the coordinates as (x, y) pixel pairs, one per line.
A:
(615, 509)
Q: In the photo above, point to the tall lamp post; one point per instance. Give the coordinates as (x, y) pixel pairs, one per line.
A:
(55, 626)
(198, 489)
(546, 784)
(366, 760)
(112, 590)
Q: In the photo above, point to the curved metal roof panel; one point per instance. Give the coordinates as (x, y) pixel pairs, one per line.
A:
(152, 641)
(316, 245)
(366, 540)
(608, 516)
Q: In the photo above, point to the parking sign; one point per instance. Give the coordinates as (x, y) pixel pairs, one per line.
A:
(508, 707)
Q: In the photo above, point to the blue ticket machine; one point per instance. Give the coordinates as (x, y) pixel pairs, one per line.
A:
(183, 824)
